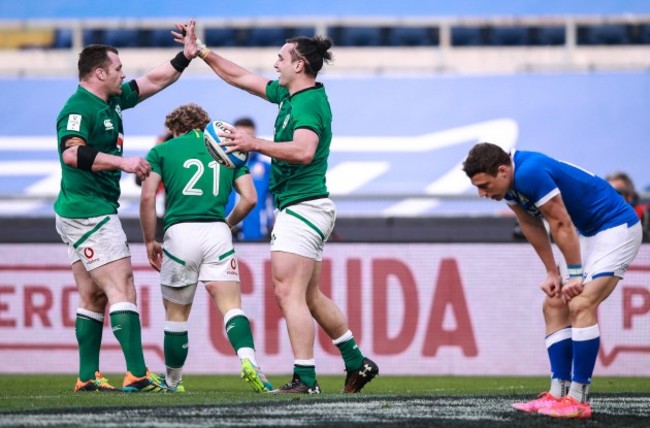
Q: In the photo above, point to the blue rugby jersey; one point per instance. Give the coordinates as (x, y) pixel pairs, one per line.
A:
(592, 202)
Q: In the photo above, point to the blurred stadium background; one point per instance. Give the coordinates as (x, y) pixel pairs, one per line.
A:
(427, 273)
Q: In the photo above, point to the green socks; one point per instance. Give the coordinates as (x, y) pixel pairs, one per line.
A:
(125, 322)
(88, 328)
(306, 373)
(176, 344)
(238, 329)
(352, 356)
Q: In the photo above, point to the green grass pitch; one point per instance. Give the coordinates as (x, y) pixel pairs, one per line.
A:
(48, 400)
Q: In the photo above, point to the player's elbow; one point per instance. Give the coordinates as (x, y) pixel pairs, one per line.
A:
(69, 156)
(147, 200)
(305, 157)
(248, 201)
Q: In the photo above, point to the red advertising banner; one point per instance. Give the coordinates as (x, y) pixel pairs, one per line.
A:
(459, 309)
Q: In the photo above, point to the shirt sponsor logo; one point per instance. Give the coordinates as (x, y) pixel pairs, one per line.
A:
(74, 122)
(89, 253)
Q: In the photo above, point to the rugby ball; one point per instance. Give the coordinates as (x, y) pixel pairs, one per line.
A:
(234, 159)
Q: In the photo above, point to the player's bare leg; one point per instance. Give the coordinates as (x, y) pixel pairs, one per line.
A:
(291, 276)
(359, 369)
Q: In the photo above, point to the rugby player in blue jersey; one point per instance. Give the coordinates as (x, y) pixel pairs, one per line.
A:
(598, 235)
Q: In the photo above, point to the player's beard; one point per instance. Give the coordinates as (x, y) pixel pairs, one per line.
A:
(116, 89)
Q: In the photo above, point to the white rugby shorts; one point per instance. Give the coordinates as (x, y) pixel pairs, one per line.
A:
(304, 228)
(609, 252)
(195, 252)
(95, 241)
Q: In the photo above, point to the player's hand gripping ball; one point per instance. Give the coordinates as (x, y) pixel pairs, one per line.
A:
(234, 159)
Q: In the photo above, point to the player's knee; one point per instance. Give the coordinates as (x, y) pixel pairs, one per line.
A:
(282, 295)
(285, 296)
(316, 300)
(95, 300)
(553, 305)
(580, 306)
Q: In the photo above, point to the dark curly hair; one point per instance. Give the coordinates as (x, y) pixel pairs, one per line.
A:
(485, 158)
(185, 118)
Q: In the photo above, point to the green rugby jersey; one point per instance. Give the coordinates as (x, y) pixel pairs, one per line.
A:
(309, 108)
(196, 186)
(83, 193)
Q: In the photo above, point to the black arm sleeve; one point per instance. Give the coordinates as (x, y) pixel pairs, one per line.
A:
(86, 157)
(134, 86)
(65, 140)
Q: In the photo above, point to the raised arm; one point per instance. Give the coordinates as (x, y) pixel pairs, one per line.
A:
(165, 74)
(227, 70)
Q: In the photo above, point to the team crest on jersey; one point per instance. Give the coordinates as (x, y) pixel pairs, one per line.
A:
(118, 110)
(108, 125)
(74, 122)
(286, 120)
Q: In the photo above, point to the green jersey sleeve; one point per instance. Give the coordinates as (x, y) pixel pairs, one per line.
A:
(153, 157)
(276, 93)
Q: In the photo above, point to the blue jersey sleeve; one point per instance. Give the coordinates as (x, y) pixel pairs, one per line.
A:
(537, 183)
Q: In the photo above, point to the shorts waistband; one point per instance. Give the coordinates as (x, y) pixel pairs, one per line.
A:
(309, 198)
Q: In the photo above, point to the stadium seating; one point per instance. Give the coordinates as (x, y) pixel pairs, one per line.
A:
(123, 37)
(221, 37)
(157, 38)
(91, 35)
(413, 36)
(357, 36)
(603, 35)
(27, 38)
(302, 31)
(483, 34)
(62, 38)
(266, 36)
(643, 32)
(548, 36)
(509, 36)
(467, 36)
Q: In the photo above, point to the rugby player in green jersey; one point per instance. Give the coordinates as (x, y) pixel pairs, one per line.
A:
(198, 241)
(90, 139)
(299, 152)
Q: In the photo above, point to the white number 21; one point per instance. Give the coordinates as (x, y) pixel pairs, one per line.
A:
(189, 187)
